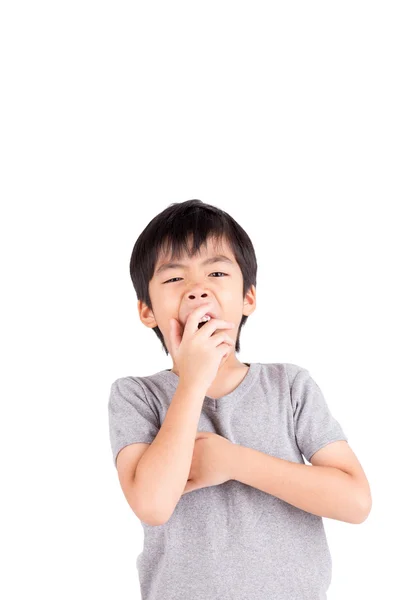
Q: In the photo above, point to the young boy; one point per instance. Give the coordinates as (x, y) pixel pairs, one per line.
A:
(209, 453)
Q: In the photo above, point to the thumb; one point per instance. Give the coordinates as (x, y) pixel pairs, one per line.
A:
(174, 333)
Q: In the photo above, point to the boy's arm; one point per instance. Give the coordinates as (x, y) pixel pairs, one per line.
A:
(164, 468)
(325, 491)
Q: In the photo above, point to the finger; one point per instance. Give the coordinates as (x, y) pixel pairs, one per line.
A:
(222, 337)
(225, 349)
(192, 323)
(214, 324)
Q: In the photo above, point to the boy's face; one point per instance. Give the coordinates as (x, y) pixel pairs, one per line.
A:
(175, 291)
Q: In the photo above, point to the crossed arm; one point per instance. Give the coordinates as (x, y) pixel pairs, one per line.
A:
(333, 486)
(322, 489)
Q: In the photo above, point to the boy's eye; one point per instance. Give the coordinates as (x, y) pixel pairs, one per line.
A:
(220, 272)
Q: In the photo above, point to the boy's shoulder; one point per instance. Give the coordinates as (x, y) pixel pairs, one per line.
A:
(289, 370)
(292, 370)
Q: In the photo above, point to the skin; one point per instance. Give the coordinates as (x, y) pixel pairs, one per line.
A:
(212, 461)
(193, 285)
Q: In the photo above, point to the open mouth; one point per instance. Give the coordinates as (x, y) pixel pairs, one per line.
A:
(203, 321)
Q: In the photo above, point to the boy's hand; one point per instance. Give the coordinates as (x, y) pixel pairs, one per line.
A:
(199, 353)
(212, 457)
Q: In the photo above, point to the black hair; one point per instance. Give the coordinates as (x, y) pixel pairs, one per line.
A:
(174, 226)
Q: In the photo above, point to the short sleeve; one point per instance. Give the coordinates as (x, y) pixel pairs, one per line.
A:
(314, 424)
(131, 418)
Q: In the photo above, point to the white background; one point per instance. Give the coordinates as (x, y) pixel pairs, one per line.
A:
(286, 115)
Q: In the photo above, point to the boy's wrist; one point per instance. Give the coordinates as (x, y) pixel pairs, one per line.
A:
(234, 458)
(191, 388)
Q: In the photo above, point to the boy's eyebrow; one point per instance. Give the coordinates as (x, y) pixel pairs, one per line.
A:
(211, 260)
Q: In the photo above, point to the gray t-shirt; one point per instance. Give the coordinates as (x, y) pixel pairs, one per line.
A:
(232, 541)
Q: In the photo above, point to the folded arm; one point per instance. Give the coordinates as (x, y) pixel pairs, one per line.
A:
(326, 491)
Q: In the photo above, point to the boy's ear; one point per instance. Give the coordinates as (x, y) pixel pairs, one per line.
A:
(249, 302)
(146, 315)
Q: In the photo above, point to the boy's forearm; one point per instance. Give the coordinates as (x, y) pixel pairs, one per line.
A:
(323, 491)
(164, 468)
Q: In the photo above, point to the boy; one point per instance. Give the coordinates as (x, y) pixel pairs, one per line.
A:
(209, 453)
